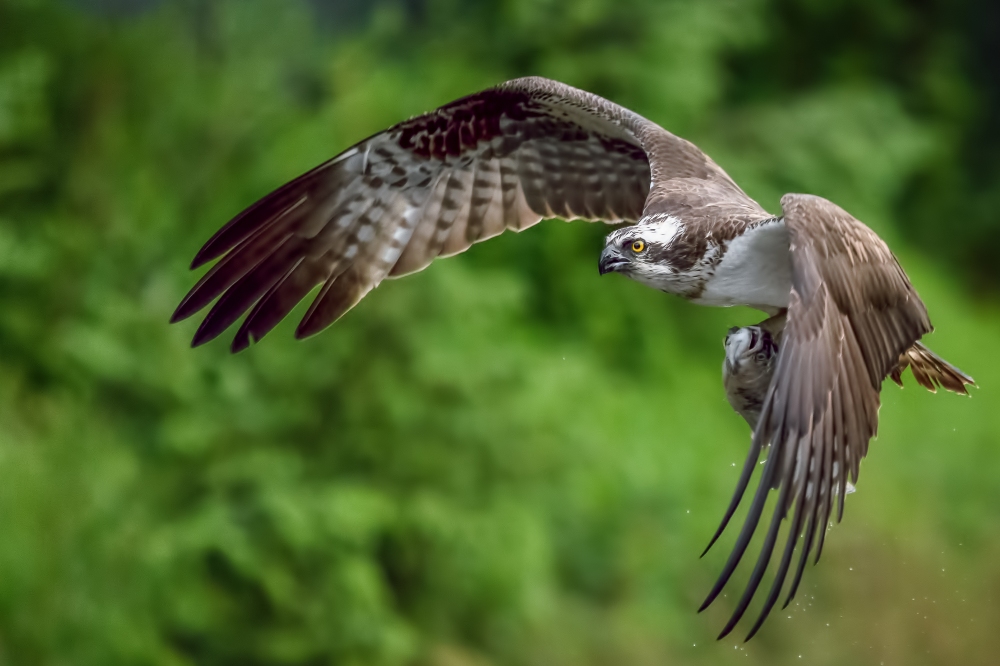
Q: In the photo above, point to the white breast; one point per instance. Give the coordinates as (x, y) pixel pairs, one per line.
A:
(756, 270)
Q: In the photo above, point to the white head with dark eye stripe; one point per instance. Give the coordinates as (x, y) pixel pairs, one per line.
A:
(643, 252)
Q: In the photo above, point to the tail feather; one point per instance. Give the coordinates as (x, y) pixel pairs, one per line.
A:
(931, 371)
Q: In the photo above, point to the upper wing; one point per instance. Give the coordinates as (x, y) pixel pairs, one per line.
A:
(852, 312)
(431, 186)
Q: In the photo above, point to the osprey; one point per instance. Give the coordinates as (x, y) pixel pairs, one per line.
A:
(843, 314)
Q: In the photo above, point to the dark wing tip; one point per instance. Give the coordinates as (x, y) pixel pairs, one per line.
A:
(753, 455)
(180, 314)
(187, 307)
(307, 329)
(206, 332)
(314, 321)
(763, 614)
(203, 257)
(715, 537)
(241, 341)
(236, 230)
(205, 254)
(756, 627)
(743, 540)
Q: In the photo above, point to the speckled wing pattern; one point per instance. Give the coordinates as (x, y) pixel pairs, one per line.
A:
(431, 186)
(532, 148)
(852, 313)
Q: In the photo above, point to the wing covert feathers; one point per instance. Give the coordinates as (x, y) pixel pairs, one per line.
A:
(431, 186)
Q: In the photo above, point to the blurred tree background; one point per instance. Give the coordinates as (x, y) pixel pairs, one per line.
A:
(503, 459)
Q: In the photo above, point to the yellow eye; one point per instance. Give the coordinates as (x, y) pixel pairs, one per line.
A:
(638, 246)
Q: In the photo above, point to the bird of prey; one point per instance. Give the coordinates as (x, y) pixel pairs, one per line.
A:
(532, 148)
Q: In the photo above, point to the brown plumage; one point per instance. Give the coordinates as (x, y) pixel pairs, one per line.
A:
(531, 148)
(931, 371)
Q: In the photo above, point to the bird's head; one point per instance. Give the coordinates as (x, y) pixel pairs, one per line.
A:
(645, 252)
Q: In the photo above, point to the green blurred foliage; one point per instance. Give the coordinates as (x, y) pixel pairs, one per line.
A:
(503, 459)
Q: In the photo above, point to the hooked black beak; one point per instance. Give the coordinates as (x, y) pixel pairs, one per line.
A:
(610, 261)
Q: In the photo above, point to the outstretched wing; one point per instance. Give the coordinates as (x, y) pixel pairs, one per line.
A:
(431, 186)
(852, 312)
